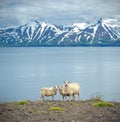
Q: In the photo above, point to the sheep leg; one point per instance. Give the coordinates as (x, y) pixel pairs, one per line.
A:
(73, 97)
(78, 96)
(69, 98)
(63, 97)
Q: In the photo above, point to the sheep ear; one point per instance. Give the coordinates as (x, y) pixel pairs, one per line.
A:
(66, 81)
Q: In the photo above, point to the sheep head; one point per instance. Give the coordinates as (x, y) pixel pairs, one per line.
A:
(66, 83)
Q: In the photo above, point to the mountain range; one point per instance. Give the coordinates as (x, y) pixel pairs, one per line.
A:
(104, 32)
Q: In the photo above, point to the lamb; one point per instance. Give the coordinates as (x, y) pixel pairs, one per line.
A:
(75, 87)
(48, 92)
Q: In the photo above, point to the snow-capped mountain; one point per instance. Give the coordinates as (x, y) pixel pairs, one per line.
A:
(102, 33)
(31, 34)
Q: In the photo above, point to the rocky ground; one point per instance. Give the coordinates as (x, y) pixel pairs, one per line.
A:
(45, 111)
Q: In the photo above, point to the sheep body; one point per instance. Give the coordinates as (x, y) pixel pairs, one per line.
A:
(65, 91)
(48, 92)
(75, 88)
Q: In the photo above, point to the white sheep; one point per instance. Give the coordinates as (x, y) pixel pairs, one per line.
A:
(48, 92)
(65, 91)
(75, 88)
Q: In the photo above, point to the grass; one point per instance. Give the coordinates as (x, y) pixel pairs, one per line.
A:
(102, 104)
(98, 97)
(56, 109)
(22, 102)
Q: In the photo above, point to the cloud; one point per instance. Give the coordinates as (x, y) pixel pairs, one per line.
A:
(59, 12)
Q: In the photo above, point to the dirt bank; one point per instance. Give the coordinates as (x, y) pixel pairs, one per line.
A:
(58, 111)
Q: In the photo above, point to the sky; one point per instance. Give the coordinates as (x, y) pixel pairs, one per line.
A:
(60, 12)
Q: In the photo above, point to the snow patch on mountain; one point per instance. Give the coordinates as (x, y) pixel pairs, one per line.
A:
(113, 25)
(81, 26)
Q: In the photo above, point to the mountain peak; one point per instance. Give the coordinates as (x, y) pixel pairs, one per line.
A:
(100, 20)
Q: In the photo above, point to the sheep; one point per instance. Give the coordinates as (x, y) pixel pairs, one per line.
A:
(66, 91)
(63, 91)
(48, 92)
(73, 86)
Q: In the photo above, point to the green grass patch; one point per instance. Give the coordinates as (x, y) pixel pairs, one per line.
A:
(56, 109)
(22, 102)
(102, 104)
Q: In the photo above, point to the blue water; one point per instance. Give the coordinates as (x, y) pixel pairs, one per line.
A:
(24, 71)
